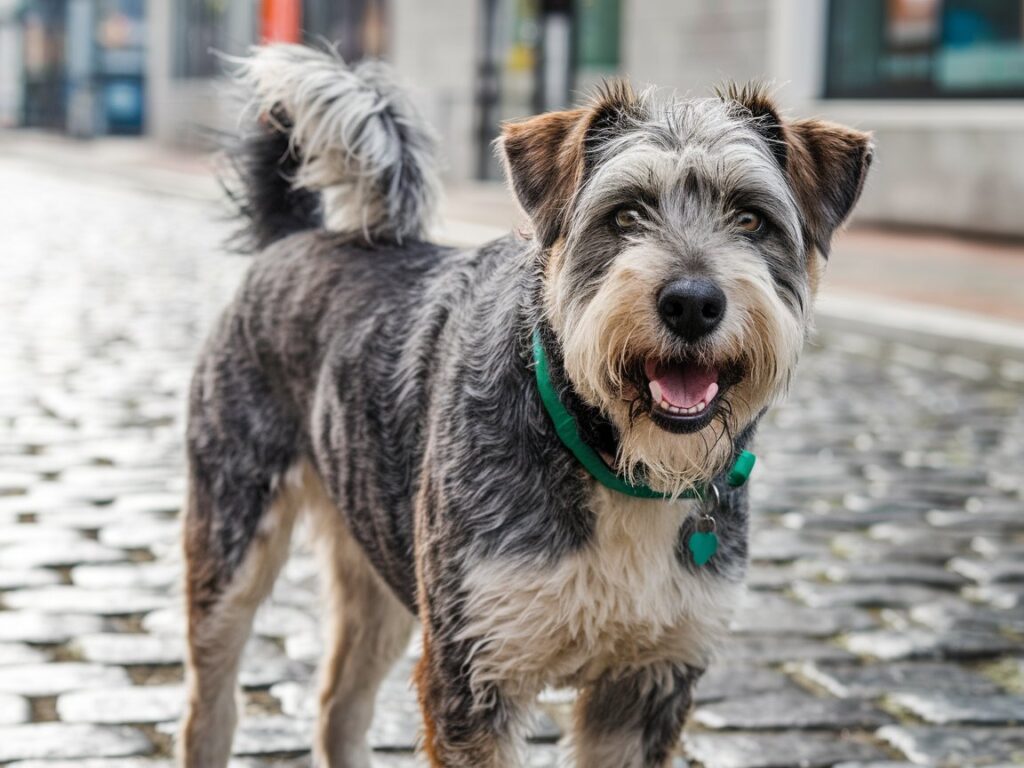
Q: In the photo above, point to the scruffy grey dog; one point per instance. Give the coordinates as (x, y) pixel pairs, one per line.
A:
(385, 387)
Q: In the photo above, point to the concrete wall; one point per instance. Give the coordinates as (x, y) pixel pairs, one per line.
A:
(434, 48)
(968, 178)
(691, 45)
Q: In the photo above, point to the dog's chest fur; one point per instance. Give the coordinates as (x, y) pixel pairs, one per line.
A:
(623, 601)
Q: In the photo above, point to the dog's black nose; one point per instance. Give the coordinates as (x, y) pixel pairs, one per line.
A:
(692, 307)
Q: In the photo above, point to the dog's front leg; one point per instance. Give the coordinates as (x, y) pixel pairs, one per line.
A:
(463, 727)
(632, 719)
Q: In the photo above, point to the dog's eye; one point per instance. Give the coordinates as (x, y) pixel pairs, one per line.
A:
(749, 221)
(627, 218)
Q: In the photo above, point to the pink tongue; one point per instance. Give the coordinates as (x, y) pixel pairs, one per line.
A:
(683, 386)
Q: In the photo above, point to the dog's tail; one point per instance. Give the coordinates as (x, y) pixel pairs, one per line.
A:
(331, 146)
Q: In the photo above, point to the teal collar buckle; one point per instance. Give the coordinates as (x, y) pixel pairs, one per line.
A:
(568, 433)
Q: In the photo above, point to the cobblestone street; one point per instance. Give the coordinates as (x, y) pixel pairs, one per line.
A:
(884, 625)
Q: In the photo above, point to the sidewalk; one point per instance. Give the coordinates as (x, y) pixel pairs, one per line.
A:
(909, 285)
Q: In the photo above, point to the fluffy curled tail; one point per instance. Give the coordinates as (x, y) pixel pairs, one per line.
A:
(330, 146)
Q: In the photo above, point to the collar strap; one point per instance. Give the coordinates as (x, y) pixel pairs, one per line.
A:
(568, 432)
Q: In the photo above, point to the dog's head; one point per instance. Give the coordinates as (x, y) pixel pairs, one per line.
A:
(681, 244)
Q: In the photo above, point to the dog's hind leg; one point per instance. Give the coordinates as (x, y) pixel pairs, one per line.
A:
(368, 629)
(245, 491)
(220, 616)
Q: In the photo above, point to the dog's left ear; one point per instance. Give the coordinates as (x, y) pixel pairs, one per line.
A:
(547, 157)
(826, 163)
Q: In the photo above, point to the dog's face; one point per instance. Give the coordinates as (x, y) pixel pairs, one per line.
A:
(681, 245)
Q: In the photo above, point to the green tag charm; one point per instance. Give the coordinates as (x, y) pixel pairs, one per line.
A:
(703, 542)
(703, 546)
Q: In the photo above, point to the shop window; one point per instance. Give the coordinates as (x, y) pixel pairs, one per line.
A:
(206, 27)
(925, 49)
(356, 28)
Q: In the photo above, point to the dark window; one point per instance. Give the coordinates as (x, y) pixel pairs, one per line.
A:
(206, 27)
(356, 28)
(925, 49)
(537, 55)
(45, 83)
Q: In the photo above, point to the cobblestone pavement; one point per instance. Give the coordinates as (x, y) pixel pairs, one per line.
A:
(883, 627)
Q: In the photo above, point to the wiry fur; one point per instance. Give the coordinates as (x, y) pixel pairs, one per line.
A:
(621, 603)
(399, 378)
(349, 134)
(219, 630)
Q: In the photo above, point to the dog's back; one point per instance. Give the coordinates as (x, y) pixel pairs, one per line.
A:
(333, 332)
(335, 180)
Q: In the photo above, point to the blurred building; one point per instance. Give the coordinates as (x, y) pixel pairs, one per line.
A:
(190, 38)
(941, 82)
(73, 65)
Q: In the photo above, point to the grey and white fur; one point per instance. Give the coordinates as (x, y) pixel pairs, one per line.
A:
(384, 386)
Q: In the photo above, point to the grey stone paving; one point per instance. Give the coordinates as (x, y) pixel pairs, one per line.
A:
(885, 622)
(44, 741)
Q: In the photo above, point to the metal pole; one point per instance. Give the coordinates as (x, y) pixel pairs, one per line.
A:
(553, 74)
(488, 87)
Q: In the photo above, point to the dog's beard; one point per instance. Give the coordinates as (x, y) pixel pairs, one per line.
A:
(606, 340)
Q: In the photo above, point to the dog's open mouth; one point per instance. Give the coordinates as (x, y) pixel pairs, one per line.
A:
(684, 394)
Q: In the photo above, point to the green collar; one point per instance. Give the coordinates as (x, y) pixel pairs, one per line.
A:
(565, 426)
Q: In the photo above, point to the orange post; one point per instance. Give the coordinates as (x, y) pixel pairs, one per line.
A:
(282, 21)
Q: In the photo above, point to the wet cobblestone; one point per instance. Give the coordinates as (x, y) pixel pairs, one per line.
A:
(885, 620)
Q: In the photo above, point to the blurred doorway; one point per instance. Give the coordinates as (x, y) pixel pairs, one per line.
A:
(537, 56)
(84, 66)
(43, 102)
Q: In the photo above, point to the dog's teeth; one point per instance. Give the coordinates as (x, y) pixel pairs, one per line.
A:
(666, 406)
(655, 391)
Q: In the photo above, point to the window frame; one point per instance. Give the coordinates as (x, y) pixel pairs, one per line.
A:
(880, 91)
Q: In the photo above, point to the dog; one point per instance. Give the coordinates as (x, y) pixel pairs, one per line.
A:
(532, 447)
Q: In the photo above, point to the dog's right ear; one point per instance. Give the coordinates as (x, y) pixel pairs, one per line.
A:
(826, 163)
(546, 157)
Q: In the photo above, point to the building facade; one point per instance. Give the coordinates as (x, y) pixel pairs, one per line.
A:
(190, 100)
(940, 82)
